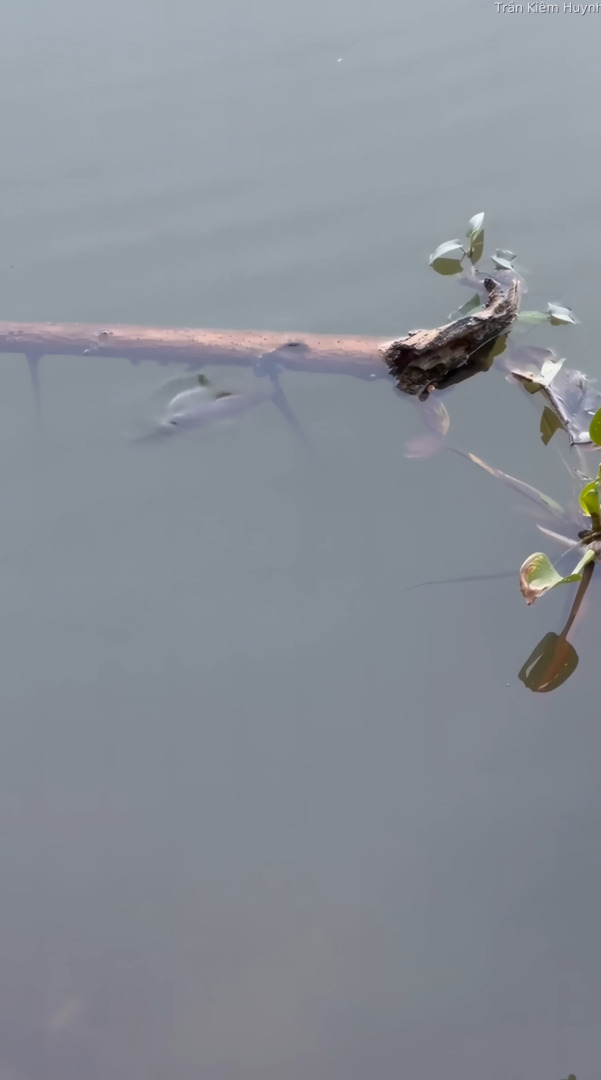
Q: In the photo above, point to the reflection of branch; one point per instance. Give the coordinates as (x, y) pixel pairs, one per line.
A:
(33, 362)
(514, 482)
(461, 580)
(268, 365)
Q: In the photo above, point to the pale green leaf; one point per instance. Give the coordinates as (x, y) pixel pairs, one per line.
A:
(475, 235)
(549, 424)
(588, 557)
(477, 248)
(589, 496)
(548, 371)
(589, 500)
(503, 259)
(531, 318)
(595, 428)
(560, 316)
(450, 249)
(538, 575)
(470, 306)
(475, 225)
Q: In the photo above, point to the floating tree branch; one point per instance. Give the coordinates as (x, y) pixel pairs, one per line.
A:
(418, 361)
(334, 353)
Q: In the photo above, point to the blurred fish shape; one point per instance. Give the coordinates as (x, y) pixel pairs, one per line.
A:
(189, 402)
(194, 407)
(192, 401)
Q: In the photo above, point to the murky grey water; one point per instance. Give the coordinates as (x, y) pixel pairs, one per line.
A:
(263, 813)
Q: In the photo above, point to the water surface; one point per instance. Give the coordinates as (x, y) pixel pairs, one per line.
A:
(265, 815)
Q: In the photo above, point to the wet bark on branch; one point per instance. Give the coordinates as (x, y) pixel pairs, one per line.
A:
(425, 360)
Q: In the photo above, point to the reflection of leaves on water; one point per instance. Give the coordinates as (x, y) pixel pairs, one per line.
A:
(473, 304)
(549, 665)
(549, 424)
(528, 490)
(446, 259)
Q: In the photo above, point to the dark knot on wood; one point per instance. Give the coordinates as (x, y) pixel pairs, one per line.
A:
(425, 360)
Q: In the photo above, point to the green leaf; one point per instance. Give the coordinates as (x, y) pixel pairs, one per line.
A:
(448, 257)
(589, 499)
(477, 248)
(498, 347)
(470, 305)
(589, 496)
(588, 557)
(549, 423)
(475, 235)
(549, 369)
(538, 575)
(531, 318)
(595, 428)
(504, 260)
(533, 381)
(475, 225)
(450, 249)
(560, 316)
(529, 382)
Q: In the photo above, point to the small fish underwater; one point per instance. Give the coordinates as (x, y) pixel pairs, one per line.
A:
(189, 402)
